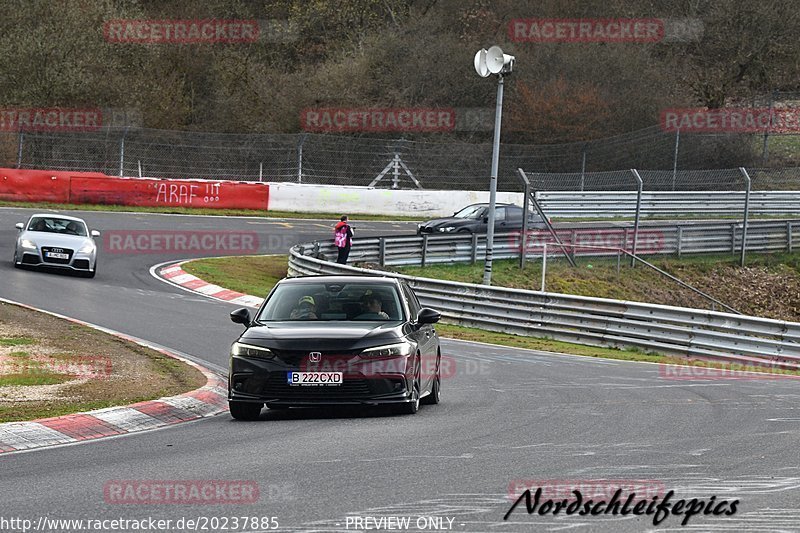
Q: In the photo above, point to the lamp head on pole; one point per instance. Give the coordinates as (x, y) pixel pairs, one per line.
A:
(493, 61)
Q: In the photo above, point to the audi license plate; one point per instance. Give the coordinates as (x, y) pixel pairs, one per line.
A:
(314, 378)
(56, 255)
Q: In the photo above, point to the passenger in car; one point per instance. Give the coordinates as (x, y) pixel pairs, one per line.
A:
(306, 309)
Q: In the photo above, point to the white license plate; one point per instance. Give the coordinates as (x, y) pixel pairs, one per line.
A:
(56, 255)
(319, 379)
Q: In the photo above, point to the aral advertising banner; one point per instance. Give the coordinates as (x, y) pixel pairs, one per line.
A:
(378, 120)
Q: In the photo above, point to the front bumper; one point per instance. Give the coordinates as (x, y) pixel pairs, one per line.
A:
(78, 262)
(365, 382)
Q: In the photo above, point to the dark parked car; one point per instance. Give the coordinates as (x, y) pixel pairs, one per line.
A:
(474, 219)
(335, 340)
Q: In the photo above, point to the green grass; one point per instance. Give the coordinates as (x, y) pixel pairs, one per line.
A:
(16, 341)
(598, 277)
(33, 378)
(204, 211)
(254, 275)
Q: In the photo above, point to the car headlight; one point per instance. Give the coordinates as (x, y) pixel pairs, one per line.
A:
(27, 243)
(447, 229)
(87, 248)
(401, 348)
(248, 350)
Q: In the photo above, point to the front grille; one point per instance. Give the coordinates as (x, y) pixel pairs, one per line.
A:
(275, 385)
(54, 261)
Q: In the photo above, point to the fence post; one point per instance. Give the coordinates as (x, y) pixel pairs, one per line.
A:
(675, 159)
(680, 241)
(640, 186)
(300, 157)
(524, 237)
(382, 251)
(544, 263)
(733, 238)
(424, 250)
(261, 171)
(789, 237)
(19, 148)
(122, 152)
(583, 166)
(746, 209)
(474, 256)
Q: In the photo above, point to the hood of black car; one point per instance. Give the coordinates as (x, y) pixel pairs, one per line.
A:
(323, 335)
(450, 221)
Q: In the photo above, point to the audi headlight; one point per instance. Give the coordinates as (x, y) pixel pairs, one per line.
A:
(27, 243)
(401, 348)
(248, 350)
(447, 229)
(87, 248)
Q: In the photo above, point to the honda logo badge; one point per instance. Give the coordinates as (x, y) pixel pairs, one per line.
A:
(315, 357)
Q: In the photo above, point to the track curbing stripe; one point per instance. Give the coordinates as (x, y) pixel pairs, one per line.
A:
(208, 400)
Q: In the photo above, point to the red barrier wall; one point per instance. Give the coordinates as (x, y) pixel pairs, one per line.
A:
(34, 185)
(94, 188)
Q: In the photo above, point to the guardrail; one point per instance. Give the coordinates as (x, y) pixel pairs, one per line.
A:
(653, 239)
(707, 203)
(594, 321)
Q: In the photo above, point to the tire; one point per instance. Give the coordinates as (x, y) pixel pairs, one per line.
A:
(435, 396)
(463, 230)
(245, 410)
(15, 260)
(411, 408)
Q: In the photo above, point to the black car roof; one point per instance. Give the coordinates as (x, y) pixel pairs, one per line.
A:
(342, 279)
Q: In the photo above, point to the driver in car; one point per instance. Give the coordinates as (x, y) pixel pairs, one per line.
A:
(371, 305)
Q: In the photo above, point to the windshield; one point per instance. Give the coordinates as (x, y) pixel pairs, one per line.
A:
(471, 211)
(332, 301)
(57, 225)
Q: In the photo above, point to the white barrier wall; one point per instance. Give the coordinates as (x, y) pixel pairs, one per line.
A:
(367, 200)
(565, 204)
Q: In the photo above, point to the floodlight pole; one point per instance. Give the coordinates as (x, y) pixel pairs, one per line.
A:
(498, 115)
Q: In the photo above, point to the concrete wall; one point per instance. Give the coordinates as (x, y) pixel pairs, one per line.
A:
(346, 200)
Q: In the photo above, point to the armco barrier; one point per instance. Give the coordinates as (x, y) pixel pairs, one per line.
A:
(594, 321)
(93, 188)
(654, 239)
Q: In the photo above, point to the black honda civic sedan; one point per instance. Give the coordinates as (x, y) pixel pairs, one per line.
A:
(335, 340)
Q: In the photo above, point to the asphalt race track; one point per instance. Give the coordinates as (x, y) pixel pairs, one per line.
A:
(506, 415)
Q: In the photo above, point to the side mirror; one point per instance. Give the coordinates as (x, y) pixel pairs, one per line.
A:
(241, 316)
(20, 226)
(95, 233)
(485, 220)
(426, 315)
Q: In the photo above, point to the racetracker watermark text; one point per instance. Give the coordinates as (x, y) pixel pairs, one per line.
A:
(163, 241)
(554, 30)
(377, 120)
(181, 31)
